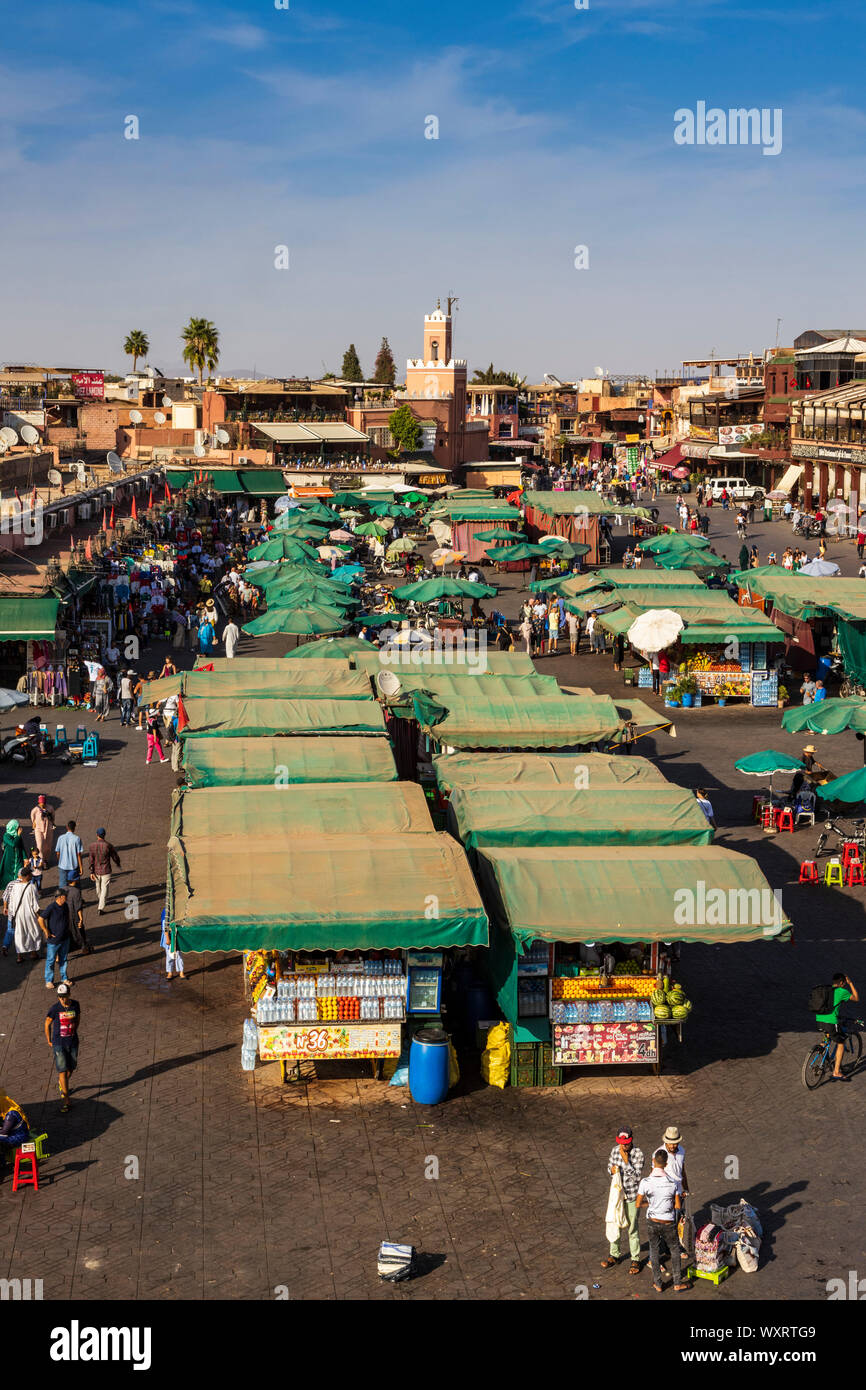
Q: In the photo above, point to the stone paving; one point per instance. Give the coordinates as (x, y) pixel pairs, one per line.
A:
(246, 1187)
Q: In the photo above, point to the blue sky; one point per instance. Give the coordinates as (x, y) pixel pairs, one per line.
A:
(261, 127)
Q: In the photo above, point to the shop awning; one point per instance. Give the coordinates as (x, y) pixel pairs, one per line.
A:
(253, 762)
(224, 481)
(23, 619)
(690, 893)
(323, 893)
(263, 482)
(539, 770)
(790, 476)
(216, 717)
(327, 432)
(284, 812)
(645, 814)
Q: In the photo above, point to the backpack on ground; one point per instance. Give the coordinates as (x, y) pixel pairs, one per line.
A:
(395, 1262)
(821, 1000)
(710, 1249)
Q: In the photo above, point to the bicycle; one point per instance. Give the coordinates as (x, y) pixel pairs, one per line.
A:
(820, 1055)
(850, 687)
(854, 836)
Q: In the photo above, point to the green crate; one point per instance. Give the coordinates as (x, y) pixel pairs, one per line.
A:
(546, 1073)
(524, 1064)
(522, 1074)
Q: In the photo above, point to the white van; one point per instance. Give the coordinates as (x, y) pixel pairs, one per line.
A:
(739, 490)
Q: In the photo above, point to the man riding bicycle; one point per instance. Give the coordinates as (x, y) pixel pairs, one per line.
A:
(843, 990)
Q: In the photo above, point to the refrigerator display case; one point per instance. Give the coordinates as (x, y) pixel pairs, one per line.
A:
(424, 984)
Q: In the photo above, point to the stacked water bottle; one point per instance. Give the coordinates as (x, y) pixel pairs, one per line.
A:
(250, 1045)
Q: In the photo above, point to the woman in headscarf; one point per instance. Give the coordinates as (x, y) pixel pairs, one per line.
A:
(11, 853)
(14, 1128)
(21, 905)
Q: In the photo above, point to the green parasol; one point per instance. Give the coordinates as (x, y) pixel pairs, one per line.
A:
(851, 787)
(370, 528)
(428, 590)
(330, 648)
(500, 533)
(307, 621)
(827, 716)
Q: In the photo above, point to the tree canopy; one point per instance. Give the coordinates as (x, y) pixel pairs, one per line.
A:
(136, 344)
(201, 345)
(351, 365)
(384, 370)
(405, 429)
(490, 376)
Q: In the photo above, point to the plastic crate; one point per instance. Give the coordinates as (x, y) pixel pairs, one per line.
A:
(546, 1073)
(524, 1064)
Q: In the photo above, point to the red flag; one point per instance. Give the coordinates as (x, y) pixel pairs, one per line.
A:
(88, 550)
(104, 526)
(209, 667)
(150, 500)
(167, 492)
(182, 716)
(34, 499)
(111, 519)
(18, 494)
(133, 511)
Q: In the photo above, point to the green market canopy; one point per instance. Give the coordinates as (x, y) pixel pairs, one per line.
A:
(645, 814)
(249, 762)
(308, 621)
(348, 892)
(850, 788)
(768, 761)
(331, 648)
(428, 590)
(317, 681)
(690, 893)
(540, 770)
(216, 717)
(450, 662)
(306, 809)
(503, 713)
(23, 619)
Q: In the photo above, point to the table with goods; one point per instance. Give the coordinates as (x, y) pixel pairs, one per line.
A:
(615, 1012)
(338, 1006)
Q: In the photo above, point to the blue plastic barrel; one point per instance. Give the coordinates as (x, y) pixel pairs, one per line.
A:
(428, 1065)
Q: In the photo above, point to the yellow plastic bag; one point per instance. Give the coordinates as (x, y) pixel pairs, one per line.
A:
(496, 1057)
(453, 1066)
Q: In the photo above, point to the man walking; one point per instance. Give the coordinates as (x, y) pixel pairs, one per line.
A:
(231, 637)
(61, 1034)
(54, 922)
(662, 1196)
(102, 856)
(42, 821)
(75, 904)
(627, 1161)
(126, 691)
(69, 849)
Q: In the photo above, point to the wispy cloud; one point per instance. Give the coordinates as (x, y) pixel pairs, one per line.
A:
(238, 35)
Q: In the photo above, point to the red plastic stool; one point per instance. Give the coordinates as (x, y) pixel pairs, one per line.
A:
(850, 853)
(809, 872)
(854, 873)
(23, 1154)
(786, 820)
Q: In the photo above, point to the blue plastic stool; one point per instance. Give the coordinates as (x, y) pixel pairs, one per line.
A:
(60, 739)
(90, 749)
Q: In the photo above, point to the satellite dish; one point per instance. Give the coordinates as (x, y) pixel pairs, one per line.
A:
(136, 417)
(388, 684)
(54, 478)
(199, 451)
(113, 460)
(8, 435)
(222, 436)
(29, 434)
(159, 418)
(166, 400)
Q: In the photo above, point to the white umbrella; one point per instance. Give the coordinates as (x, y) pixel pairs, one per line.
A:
(329, 552)
(340, 535)
(656, 629)
(820, 569)
(11, 699)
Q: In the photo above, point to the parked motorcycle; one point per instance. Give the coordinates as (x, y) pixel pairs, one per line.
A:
(17, 748)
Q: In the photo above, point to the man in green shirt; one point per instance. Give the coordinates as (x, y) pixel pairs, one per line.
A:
(843, 990)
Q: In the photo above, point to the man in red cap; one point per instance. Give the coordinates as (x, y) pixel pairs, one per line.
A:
(42, 821)
(626, 1160)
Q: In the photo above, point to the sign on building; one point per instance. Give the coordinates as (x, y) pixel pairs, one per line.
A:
(89, 386)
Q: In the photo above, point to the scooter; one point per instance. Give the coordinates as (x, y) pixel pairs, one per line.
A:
(17, 748)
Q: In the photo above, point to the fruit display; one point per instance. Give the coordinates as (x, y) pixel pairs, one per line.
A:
(623, 986)
(671, 1003)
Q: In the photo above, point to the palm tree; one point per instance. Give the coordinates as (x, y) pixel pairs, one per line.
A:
(201, 346)
(137, 344)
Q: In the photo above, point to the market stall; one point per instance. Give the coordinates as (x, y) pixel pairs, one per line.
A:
(333, 967)
(648, 813)
(582, 941)
(529, 770)
(225, 717)
(321, 680)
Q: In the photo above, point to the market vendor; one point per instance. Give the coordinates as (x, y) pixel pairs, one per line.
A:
(627, 1161)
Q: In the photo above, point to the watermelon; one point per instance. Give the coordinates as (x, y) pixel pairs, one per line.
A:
(658, 996)
(680, 1011)
(662, 1011)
